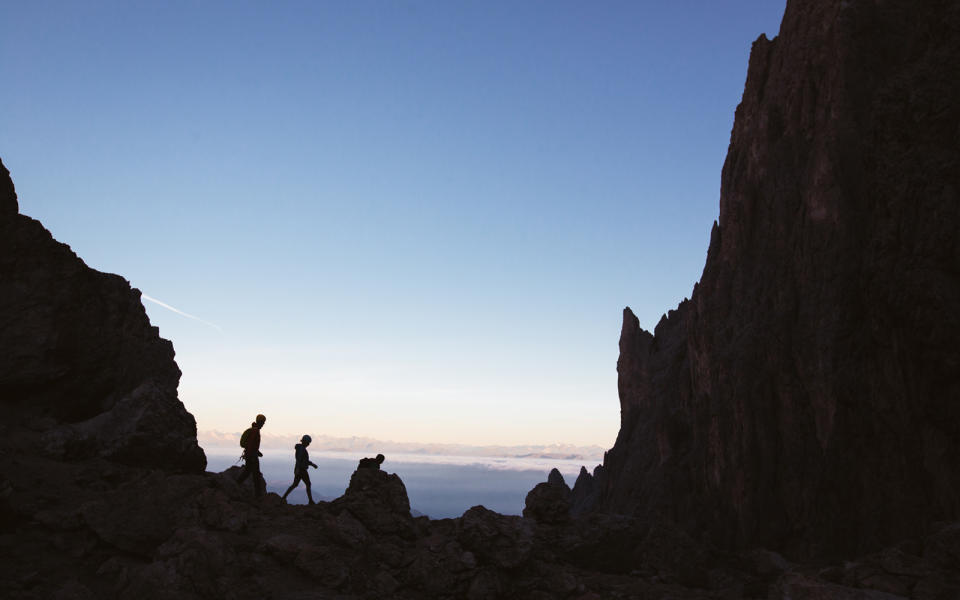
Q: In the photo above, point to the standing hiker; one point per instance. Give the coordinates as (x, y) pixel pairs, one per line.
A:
(250, 441)
(300, 468)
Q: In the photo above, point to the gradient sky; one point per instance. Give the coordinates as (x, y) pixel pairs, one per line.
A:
(403, 220)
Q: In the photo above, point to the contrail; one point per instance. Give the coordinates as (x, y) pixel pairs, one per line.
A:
(180, 312)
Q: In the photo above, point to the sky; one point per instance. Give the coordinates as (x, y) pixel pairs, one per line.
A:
(415, 221)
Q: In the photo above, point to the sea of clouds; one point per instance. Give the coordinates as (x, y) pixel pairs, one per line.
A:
(439, 485)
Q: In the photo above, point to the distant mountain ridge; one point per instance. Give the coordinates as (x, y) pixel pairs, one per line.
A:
(221, 439)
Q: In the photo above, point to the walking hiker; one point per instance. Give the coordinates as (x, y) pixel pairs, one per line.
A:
(250, 441)
(300, 468)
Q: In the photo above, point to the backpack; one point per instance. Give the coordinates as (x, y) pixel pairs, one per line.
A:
(245, 438)
(368, 463)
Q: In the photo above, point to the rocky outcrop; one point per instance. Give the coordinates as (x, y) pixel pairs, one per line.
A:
(586, 491)
(81, 364)
(379, 501)
(550, 501)
(805, 397)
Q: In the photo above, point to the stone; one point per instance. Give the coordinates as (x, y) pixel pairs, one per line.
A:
(549, 502)
(485, 585)
(74, 590)
(139, 429)
(323, 565)
(378, 500)
(942, 549)
(432, 572)
(218, 512)
(502, 540)
(138, 517)
(385, 584)
(285, 547)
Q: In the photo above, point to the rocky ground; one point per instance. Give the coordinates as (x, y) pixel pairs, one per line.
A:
(98, 529)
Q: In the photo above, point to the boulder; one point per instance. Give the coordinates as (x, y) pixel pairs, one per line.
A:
(504, 541)
(379, 501)
(139, 516)
(549, 502)
(141, 429)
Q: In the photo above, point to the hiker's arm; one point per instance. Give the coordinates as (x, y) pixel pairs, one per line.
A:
(313, 465)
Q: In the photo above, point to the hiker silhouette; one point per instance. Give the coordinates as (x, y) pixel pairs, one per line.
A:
(300, 467)
(250, 441)
(371, 463)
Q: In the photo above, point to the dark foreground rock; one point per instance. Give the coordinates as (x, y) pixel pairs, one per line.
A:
(115, 531)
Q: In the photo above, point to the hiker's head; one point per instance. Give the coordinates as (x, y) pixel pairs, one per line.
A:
(261, 420)
(305, 440)
(380, 459)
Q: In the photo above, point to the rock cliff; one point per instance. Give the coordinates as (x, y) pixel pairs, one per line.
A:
(807, 396)
(81, 365)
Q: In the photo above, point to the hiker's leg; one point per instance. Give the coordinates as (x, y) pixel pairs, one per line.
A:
(293, 485)
(251, 466)
(296, 482)
(258, 490)
(306, 480)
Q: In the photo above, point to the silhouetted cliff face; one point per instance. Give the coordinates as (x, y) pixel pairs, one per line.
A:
(81, 365)
(807, 396)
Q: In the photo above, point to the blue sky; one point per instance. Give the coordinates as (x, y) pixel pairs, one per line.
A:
(408, 220)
